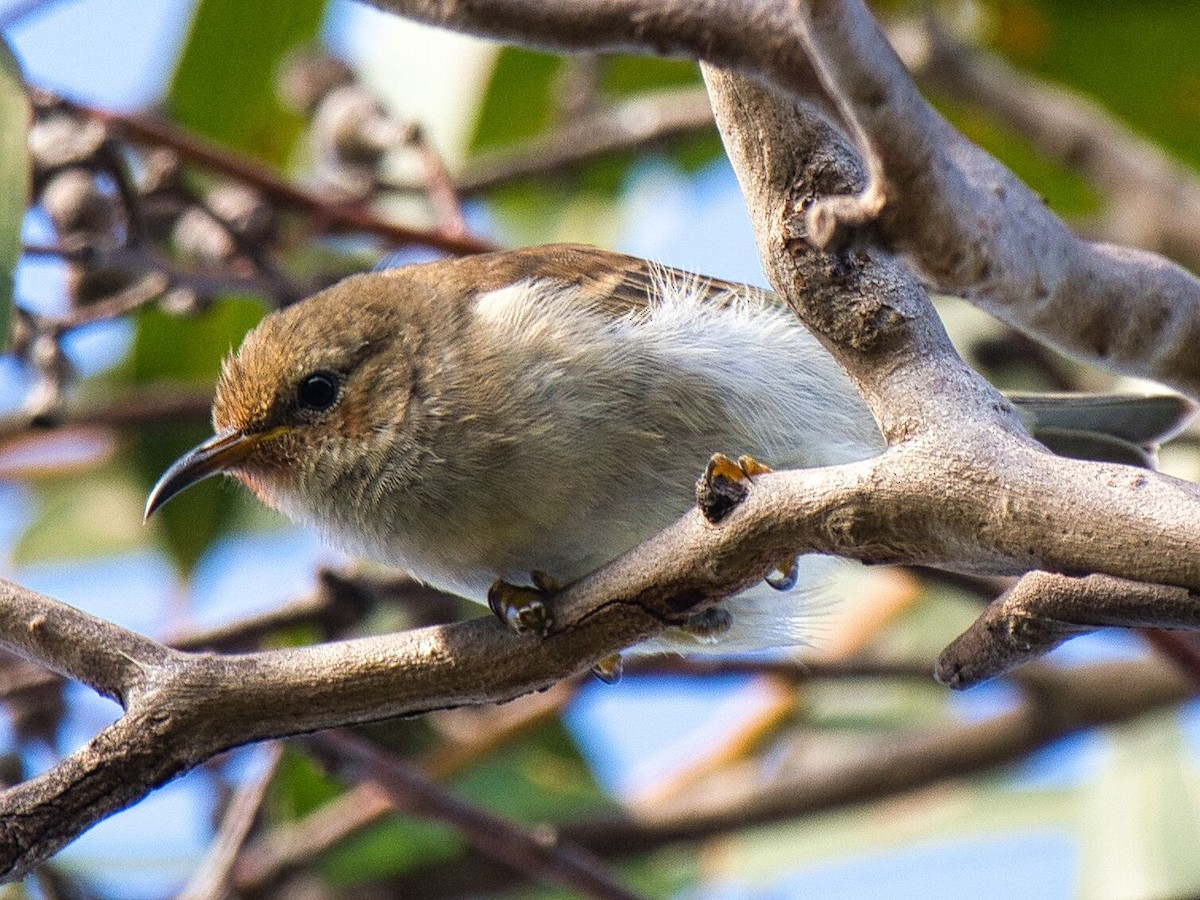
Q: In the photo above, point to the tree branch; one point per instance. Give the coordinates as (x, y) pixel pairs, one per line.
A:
(1154, 199)
(182, 708)
(823, 773)
(335, 215)
(1056, 704)
(211, 880)
(961, 485)
(1043, 610)
(634, 124)
(541, 856)
(969, 226)
(962, 219)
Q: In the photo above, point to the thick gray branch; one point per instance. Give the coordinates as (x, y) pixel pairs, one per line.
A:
(960, 217)
(970, 227)
(105, 657)
(186, 707)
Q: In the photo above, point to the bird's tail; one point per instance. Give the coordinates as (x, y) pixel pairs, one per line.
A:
(1120, 428)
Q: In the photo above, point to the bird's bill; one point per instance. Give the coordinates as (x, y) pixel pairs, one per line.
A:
(219, 453)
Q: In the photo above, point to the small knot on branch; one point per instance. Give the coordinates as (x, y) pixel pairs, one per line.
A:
(836, 222)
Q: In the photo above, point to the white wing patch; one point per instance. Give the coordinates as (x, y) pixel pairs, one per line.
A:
(786, 390)
(506, 306)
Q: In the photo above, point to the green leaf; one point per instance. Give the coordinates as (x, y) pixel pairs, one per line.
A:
(170, 349)
(224, 85)
(519, 104)
(14, 174)
(398, 844)
(299, 787)
(1136, 59)
(519, 98)
(624, 76)
(543, 778)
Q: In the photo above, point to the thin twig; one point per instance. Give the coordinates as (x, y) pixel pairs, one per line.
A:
(205, 282)
(146, 290)
(211, 880)
(636, 124)
(133, 406)
(335, 215)
(439, 186)
(540, 854)
(276, 855)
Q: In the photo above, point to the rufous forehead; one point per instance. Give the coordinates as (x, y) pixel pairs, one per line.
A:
(333, 330)
(245, 392)
(253, 379)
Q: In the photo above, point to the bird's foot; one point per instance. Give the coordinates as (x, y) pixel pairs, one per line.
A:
(609, 669)
(525, 610)
(725, 483)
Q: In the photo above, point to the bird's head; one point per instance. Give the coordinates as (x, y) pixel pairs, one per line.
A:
(319, 396)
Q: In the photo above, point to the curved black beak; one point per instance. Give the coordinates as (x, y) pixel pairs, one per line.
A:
(218, 454)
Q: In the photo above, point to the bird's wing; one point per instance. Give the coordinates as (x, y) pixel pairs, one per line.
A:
(1101, 427)
(612, 283)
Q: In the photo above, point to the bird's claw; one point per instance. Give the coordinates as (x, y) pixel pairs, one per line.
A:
(609, 669)
(725, 483)
(783, 577)
(525, 610)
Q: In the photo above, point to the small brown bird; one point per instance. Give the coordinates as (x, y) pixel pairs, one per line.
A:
(477, 420)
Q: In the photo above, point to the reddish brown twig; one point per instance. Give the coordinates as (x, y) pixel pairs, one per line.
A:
(539, 854)
(337, 216)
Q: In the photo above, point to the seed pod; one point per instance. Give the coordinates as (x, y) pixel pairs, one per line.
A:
(77, 206)
(62, 139)
(196, 234)
(308, 76)
(243, 210)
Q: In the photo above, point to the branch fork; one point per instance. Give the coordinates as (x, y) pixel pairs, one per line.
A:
(814, 105)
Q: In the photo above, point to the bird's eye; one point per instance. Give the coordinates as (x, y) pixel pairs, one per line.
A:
(318, 391)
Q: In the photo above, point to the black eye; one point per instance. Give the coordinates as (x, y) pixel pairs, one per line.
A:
(318, 391)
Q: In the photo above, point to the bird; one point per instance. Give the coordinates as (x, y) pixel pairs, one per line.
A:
(503, 424)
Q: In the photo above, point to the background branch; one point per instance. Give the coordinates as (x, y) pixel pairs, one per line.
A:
(960, 486)
(1153, 201)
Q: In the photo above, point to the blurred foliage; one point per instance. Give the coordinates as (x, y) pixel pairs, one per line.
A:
(224, 89)
(518, 101)
(87, 515)
(1136, 58)
(166, 351)
(14, 174)
(542, 778)
(224, 84)
(625, 76)
(525, 96)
